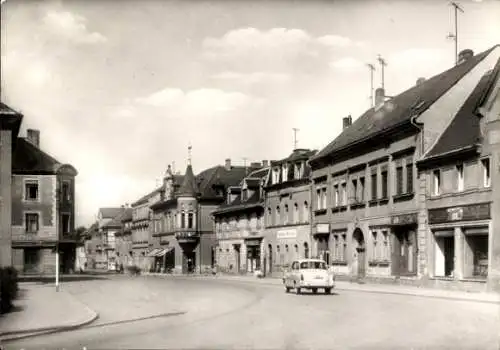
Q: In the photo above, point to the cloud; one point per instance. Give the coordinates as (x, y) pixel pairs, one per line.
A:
(337, 41)
(72, 27)
(253, 78)
(195, 101)
(346, 63)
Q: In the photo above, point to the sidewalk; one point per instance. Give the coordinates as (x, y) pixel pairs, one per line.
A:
(40, 309)
(368, 288)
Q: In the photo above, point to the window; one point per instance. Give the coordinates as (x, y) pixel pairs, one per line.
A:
(336, 197)
(318, 199)
(336, 248)
(31, 191)
(409, 178)
(306, 250)
(299, 170)
(269, 217)
(362, 189)
(183, 220)
(460, 177)
(375, 253)
(66, 195)
(295, 213)
(313, 265)
(344, 193)
(385, 184)
(306, 213)
(284, 174)
(32, 224)
(344, 248)
(374, 185)
(436, 182)
(190, 220)
(354, 196)
(323, 199)
(385, 241)
(486, 172)
(277, 220)
(399, 180)
(285, 216)
(276, 175)
(66, 223)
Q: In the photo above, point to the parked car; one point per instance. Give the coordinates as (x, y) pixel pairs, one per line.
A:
(309, 274)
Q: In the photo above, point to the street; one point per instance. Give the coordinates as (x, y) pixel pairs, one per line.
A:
(134, 313)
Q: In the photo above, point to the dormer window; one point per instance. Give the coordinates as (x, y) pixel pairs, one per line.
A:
(299, 170)
(284, 174)
(276, 175)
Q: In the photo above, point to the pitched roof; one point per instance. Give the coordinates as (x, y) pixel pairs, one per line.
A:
(110, 213)
(399, 110)
(238, 205)
(10, 119)
(464, 130)
(127, 215)
(118, 219)
(188, 187)
(297, 154)
(144, 198)
(221, 176)
(29, 159)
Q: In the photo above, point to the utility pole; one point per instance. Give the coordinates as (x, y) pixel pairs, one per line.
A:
(383, 64)
(57, 266)
(295, 141)
(454, 37)
(372, 69)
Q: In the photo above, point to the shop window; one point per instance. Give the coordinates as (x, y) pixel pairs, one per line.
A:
(444, 258)
(476, 257)
(375, 252)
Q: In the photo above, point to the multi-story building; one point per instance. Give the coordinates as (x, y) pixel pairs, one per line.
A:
(92, 244)
(10, 122)
(461, 169)
(123, 239)
(43, 209)
(142, 241)
(239, 225)
(287, 211)
(372, 214)
(182, 219)
(109, 231)
(104, 234)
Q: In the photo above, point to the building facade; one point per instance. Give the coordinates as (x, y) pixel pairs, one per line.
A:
(123, 238)
(287, 212)
(182, 217)
(369, 203)
(43, 209)
(461, 170)
(239, 226)
(10, 122)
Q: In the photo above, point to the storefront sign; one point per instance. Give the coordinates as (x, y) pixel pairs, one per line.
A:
(286, 234)
(252, 243)
(405, 219)
(463, 213)
(322, 228)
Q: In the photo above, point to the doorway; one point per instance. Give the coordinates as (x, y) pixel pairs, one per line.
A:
(237, 253)
(404, 253)
(360, 253)
(444, 258)
(31, 260)
(189, 262)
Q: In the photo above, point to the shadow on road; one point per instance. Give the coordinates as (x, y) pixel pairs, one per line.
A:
(68, 278)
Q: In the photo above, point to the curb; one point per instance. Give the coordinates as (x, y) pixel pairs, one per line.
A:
(374, 291)
(28, 333)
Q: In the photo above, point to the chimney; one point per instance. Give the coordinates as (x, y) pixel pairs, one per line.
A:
(34, 137)
(346, 122)
(420, 81)
(379, 97)
(265, 163)
(228, 164)
(464, 55)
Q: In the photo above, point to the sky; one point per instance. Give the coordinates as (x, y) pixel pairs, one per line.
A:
(119, 89)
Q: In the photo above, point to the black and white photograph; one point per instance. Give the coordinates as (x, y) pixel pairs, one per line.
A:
(249, 174)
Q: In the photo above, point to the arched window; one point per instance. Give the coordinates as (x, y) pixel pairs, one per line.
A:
(305, 214)
(296, 250)
(183, 220)
(269, 217)
(190, 220)
(278, 260)
(277, 219)
(285, 216)
(296, 213)
(306, 250)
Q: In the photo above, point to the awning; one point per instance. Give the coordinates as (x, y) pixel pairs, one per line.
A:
(163, 251)
(153, 252)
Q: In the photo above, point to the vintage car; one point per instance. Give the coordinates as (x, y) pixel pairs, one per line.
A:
(309, 274)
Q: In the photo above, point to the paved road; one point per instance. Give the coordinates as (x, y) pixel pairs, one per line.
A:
(233, 315)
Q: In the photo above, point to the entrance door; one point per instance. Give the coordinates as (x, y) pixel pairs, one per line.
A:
(404, 255)
(361, 262)
(238, 257)
(31, 260)
(189, 263)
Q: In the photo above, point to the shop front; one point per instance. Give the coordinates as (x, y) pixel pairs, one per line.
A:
(460, 242)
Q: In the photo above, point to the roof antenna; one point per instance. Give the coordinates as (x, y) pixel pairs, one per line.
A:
(452, 36)
(383, 63)
(295, 141)
(189, 153)
(372, 69)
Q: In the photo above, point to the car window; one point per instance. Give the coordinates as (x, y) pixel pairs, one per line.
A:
(295, 265)
(313, 265)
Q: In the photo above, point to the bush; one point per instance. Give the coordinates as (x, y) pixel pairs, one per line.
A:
(8, 288)
(134, 270)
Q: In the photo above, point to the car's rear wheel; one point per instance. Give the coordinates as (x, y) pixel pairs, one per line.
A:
(315, 290)
(328, 291)
(287, 289)
(297, 289)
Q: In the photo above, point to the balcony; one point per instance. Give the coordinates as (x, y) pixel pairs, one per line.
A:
(187, 236)
(33, 239)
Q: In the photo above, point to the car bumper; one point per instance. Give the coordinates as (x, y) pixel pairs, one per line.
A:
(316, 284)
